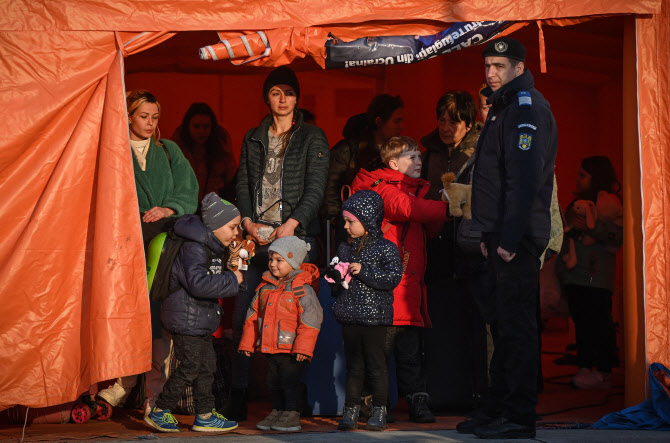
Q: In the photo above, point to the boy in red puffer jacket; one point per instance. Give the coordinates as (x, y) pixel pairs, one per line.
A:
(408, 220)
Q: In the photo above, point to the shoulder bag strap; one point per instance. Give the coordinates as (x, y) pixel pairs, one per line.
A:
(470, 161)
(167, 153)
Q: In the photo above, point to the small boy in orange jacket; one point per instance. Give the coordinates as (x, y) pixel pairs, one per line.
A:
(283, 322)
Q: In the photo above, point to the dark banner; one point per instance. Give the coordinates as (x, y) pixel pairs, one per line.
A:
(405, 49)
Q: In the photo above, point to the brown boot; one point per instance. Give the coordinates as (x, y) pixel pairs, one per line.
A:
(267, 422)
(287, 421)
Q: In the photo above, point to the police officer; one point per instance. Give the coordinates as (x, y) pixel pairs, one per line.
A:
(511, 196)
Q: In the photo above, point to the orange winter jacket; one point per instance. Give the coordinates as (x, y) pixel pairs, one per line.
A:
(285, 316)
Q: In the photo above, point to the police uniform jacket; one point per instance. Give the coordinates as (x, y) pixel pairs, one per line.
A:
(513, 174)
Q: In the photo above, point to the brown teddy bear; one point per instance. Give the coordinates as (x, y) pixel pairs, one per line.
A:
(458, 195)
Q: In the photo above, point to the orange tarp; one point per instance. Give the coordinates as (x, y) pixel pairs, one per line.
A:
(73, 296)
(653, 51)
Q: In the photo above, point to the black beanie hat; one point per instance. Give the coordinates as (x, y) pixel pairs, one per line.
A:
(505, 47)
(283, 75)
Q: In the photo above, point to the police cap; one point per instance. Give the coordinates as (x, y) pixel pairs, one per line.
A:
(505, 47)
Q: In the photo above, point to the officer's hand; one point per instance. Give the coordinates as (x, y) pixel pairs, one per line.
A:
(485, 252)
(507, 256)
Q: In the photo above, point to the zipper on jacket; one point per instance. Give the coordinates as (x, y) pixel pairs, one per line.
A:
(281, 176)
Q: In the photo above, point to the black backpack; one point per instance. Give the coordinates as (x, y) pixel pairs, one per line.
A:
(159, 289)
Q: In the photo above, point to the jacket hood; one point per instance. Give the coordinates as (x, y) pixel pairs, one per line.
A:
(365, 179)
(192, 228)
(368, 207)
(507, 92)
(308, 274)
(433, 142)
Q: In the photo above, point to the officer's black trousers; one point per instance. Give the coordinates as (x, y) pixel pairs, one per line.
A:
(513, 309)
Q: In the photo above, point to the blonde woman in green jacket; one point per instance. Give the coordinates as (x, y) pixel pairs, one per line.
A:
(166, 184)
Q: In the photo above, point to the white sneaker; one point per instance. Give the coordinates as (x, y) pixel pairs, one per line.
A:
(117, 394)
(593, 380)
(580, 377)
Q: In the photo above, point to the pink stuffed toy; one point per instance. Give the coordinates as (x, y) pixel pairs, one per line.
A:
(607, 209)
(338, 272)
(586, 209)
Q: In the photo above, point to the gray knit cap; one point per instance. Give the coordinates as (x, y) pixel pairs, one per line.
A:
(292, 249)
(217, 212)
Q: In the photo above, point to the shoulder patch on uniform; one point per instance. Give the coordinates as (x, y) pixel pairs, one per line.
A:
(524, 98)
(525, 141)
(527, 125)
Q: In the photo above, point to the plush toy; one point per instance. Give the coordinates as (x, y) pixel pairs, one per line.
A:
(458, 195)
(241, 252)
(338, 273)
(586, 209)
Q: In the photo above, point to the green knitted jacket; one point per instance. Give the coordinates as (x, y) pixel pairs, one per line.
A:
(166, 183)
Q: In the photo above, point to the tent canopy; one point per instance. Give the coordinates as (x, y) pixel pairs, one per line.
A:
(74, 299)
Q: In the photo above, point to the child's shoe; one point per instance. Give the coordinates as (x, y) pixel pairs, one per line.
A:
(215, 423)
(267, 422)
(377, 420)
(164, 421)
(349, 420)
(287, 421)
(582, 375)
(594, 380)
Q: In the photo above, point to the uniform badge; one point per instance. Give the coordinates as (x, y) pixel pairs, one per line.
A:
(493, 118)
(524, 98)
(500, 47)
(524, 141)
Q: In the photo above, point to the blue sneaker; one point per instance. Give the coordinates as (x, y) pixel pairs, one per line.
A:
(164, 421)
(215, 423)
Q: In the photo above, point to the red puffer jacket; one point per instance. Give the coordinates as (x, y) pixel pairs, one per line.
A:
(285, 316)
(408, 219)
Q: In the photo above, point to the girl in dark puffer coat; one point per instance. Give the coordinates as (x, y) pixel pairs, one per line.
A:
(365, 308)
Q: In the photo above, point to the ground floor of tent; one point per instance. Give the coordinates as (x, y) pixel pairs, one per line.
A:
(560, 406)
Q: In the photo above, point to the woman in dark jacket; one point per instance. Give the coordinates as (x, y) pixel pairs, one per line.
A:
(280, 184)
(449, 272)
(363, 134)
